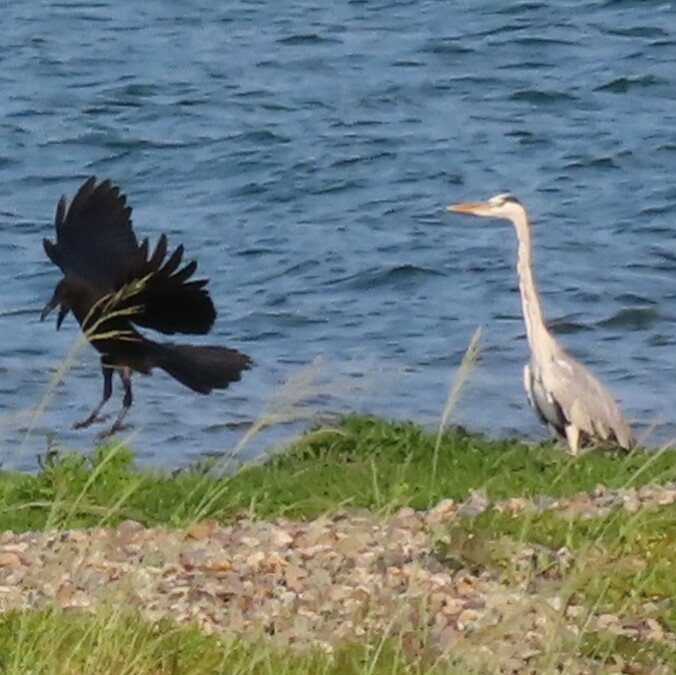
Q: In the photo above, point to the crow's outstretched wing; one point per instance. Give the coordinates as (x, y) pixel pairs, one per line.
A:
(96, 244)
(164, 297)
(94, 236)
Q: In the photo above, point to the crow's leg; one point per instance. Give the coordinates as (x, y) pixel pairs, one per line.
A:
(107, 391)
(125, 376)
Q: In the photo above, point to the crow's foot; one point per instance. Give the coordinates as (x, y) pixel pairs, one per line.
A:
(118, 426)
(92, 419)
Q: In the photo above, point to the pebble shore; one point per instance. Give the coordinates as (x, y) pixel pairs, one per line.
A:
(331, 579)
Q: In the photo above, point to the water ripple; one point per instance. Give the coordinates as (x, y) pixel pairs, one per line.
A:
(632, 318)
(307, 39)
(400, 277)
(622, 85)
(538, 96)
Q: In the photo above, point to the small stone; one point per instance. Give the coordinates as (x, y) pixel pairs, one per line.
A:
(19, 547)
(313, 551)
(513, 506)
(476, 503)
(556, 603)
(465, 584)
(340, 593)
(201, 530)
(631, 501)
(9, 559)
(453, 606)
(599, 490)
(353, 544)
(178, 591)
(468, 620)
(64, 594)
(255, 559)
(647, 629)
(667, 497)
(280, 539)
(435, 603)
(218, 565)
(654, 631)
(273, 563)
(444, 511)
(75, 537)
(605, 621)
(293, 576)
(129, 527)
(186, 562)
(361, 593)
(406, 517)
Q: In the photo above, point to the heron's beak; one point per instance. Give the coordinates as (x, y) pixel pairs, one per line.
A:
(467, 207)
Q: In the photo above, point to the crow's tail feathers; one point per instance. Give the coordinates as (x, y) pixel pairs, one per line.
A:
(202, 368)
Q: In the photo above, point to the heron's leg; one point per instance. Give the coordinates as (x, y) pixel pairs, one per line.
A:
(107, 391)
(573, 438)
(118, 425)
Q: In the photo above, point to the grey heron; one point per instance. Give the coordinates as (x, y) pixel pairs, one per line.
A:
(561, 391)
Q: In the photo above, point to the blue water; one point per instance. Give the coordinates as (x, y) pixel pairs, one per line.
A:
(304, 153)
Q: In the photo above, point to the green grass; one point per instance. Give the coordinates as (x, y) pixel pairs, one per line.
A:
(362, 463)
(118, 642)
(618, 562)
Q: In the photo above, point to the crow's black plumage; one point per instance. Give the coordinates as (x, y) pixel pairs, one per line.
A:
(114, 285)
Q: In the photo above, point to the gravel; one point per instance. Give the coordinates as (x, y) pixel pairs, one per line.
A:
(334, 579)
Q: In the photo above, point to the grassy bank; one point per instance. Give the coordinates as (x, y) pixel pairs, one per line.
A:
(616, 562)
(362, 463)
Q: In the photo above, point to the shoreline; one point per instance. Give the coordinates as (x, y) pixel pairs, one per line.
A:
(461, 554)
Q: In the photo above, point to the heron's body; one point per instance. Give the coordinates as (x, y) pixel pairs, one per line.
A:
(561, 391)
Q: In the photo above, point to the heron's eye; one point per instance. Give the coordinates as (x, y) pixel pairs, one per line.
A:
(499, 200)
(504, 198)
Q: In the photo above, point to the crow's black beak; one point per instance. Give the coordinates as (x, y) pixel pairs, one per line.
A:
(48, 308)
(51, 305)
(63, 311)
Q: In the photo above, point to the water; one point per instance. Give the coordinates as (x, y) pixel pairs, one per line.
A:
(304, 153)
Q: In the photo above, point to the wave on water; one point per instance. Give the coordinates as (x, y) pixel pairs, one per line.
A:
(307, 39)
(632, 318)
(622, 85)
(539, 96)
(566, 326)
(401, 277)
(648, 32)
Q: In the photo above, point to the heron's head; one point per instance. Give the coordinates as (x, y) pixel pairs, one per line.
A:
(500, 206)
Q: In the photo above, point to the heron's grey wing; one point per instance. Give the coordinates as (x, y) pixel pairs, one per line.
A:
(584, 401)
(544, 406)
(94, 236)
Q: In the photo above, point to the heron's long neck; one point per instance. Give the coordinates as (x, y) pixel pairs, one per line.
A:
(536, 330)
